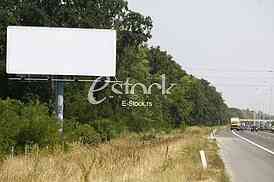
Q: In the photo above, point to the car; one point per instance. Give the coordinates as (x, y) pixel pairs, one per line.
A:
(242, 127)
(254, 129)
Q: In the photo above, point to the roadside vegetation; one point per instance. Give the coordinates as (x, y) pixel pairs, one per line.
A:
(173, 157)
(106, 148)
(29, 106)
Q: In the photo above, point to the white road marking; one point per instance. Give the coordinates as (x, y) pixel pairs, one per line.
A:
(253, 143)
(268, 133)
(266, 137)
(203, 159)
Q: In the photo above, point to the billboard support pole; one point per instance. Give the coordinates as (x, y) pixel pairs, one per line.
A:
(60, 104)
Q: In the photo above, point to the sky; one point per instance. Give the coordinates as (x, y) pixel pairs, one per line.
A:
(228, 42)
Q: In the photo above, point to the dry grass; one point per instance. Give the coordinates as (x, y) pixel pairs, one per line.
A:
(168, 158)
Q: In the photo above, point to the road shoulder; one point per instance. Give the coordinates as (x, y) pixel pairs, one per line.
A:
(243, 161)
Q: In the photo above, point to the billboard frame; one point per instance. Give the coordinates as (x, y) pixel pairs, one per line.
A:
(59, 80)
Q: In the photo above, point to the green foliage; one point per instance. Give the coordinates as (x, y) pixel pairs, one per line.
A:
(26, 124)
(105, 128)
(84, 134)
(191, 102)
(133, 30)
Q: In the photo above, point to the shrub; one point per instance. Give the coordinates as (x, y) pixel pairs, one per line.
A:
(26, 124)
(83, 133)
(106, 128)
(9, 117)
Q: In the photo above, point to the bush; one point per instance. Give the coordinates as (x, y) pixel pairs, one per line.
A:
(106, 128)
(183, 127)
(84, 134)
(26, 124)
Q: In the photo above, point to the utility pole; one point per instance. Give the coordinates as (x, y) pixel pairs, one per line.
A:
(254, 117)
(270, 104)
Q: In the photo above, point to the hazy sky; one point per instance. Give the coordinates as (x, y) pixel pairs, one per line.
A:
(228, 42)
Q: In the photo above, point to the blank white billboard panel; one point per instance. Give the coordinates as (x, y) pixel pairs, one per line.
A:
(61, 51)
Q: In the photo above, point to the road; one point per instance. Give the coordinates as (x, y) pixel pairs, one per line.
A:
(247, 159)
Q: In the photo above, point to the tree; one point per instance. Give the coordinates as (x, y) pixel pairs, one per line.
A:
(26, 124)
(192, 101)
(133, 29)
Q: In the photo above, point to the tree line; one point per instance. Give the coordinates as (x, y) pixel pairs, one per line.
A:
(193, 101)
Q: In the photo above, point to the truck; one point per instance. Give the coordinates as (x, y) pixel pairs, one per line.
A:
(235, 124)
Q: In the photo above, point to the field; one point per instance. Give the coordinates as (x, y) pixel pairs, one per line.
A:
(164, 158)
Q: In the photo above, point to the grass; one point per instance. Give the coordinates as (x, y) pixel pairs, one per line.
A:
(166, 158)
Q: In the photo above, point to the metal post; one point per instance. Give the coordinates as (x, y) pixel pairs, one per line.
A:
(270, 100)
(254, 117)
(60, 104)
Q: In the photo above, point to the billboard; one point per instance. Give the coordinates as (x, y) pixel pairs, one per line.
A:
(61, 51)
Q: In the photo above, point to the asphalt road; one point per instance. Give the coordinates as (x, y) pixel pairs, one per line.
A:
(244, 161)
